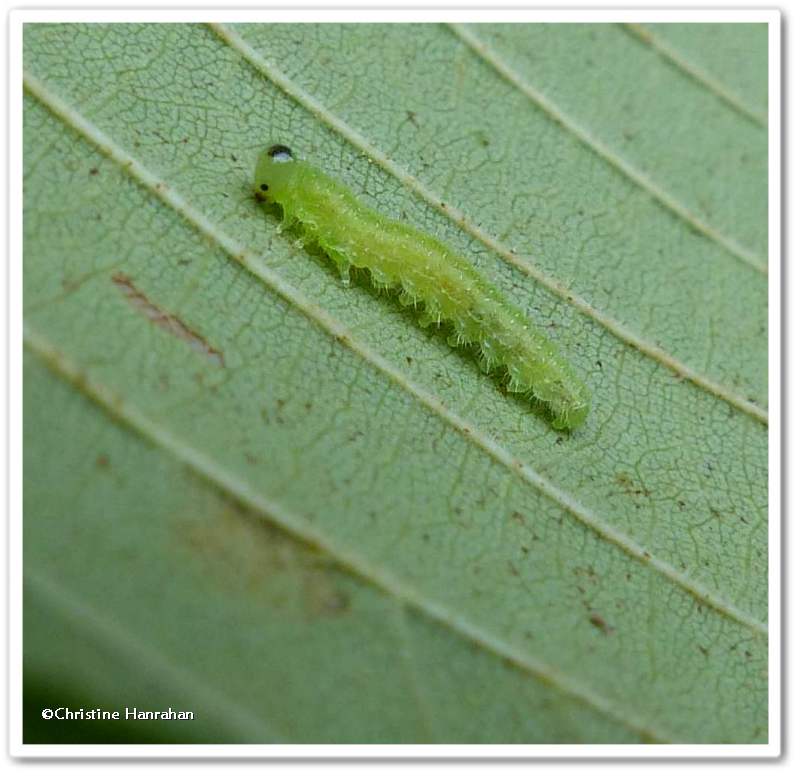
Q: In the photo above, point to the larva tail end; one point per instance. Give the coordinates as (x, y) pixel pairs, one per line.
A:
(570, 417)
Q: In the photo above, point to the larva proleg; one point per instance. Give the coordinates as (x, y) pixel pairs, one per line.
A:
(427, 273)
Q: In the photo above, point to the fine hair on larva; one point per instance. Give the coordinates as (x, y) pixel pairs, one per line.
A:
(427, 273)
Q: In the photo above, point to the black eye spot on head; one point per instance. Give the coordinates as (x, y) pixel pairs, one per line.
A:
(264, 187)
(281, 153)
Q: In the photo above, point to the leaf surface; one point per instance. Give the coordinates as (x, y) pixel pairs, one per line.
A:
(273, 487)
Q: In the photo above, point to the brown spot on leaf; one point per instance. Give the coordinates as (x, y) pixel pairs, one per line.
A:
(623, 479)
(164, 320)
(600, 623)
(239, 554)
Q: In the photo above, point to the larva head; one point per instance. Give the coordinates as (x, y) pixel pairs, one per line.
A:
(275, 170)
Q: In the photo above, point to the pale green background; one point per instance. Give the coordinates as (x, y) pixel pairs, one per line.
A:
(338, 529)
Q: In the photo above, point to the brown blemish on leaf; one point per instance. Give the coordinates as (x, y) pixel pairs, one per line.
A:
(164, 320)
(587, 572)
(600, 623)
(627, 484)
(239, 554)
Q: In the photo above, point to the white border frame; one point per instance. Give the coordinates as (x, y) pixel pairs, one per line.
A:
(370, 14)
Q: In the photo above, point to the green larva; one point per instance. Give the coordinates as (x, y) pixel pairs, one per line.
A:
(426, 272)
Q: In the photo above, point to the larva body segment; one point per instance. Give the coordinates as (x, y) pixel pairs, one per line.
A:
(427, 272)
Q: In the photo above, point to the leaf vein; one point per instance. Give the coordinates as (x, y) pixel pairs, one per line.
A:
(247, 258)
(240, 490)
(646, 37)
(617, 328)
(241, 720)
(664, 198)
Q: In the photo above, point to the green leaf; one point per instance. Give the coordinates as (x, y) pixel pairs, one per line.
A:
(256, 494)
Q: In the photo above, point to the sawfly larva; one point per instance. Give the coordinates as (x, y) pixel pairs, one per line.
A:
(426, 272)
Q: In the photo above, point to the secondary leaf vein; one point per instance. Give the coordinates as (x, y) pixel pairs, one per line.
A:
(664, 198)
(618, 329)
(172, 199)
